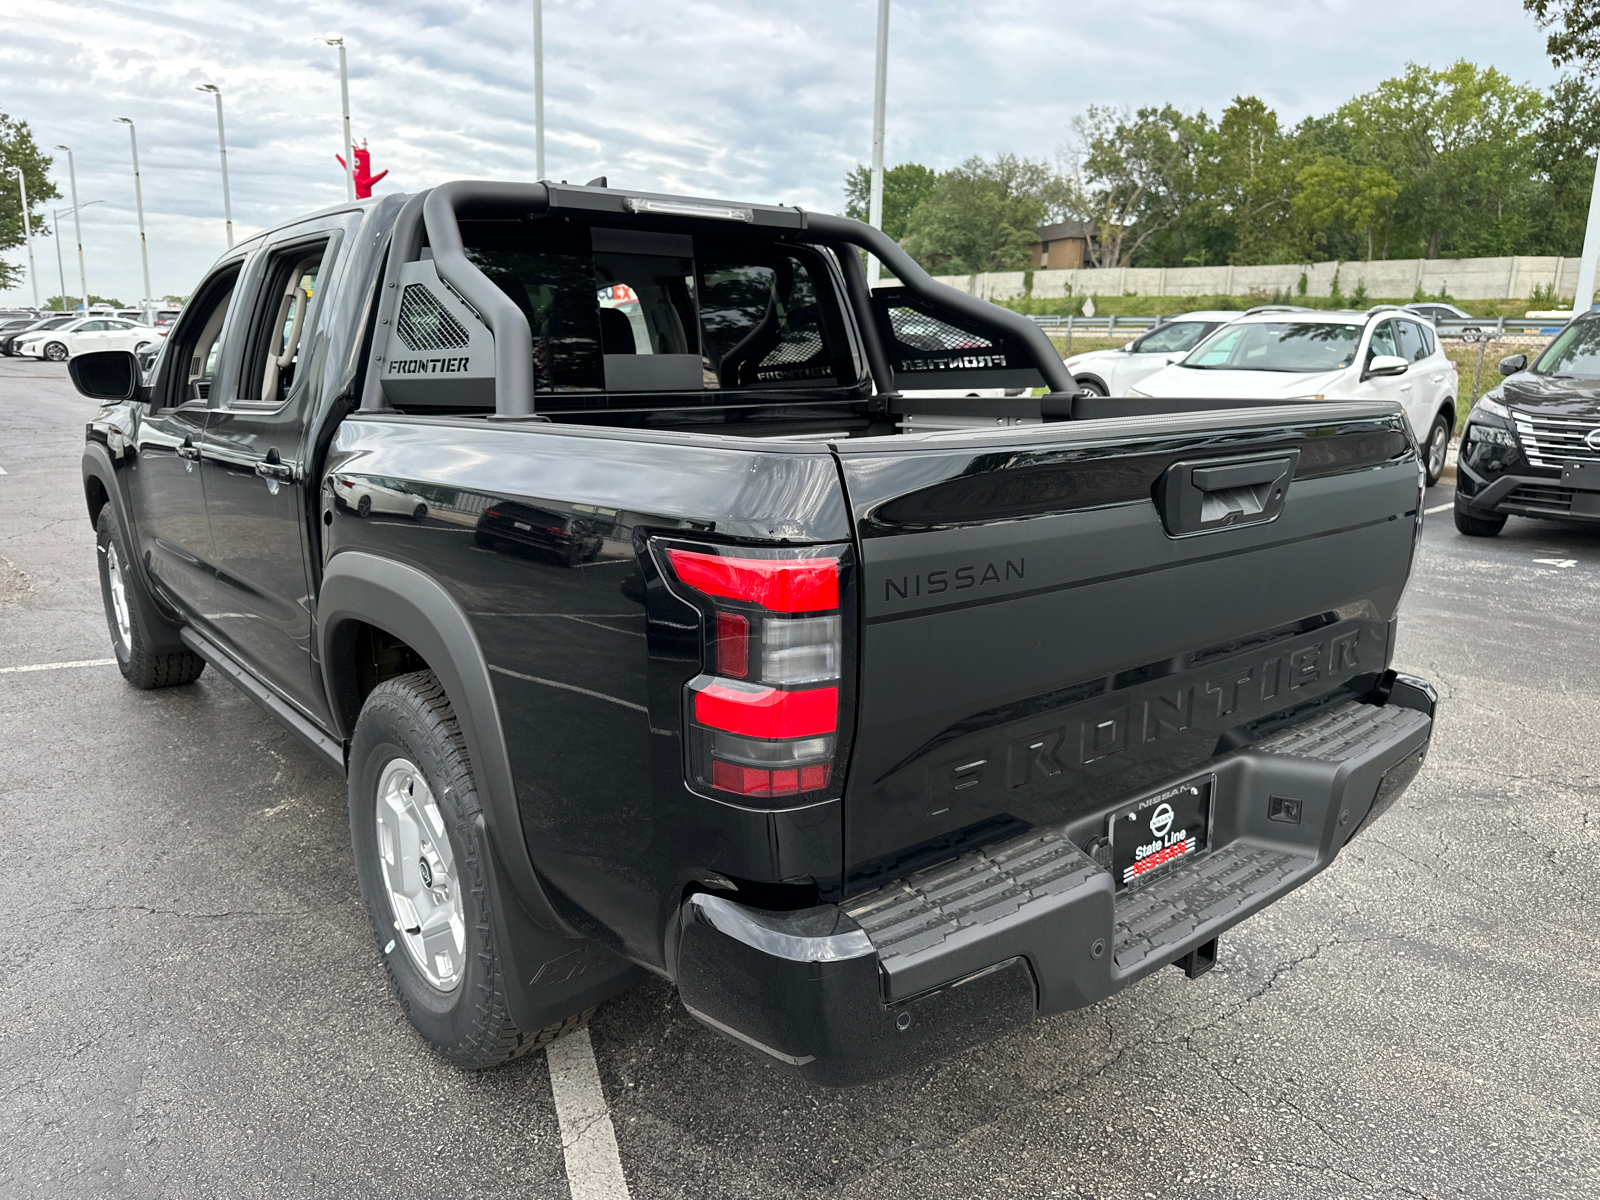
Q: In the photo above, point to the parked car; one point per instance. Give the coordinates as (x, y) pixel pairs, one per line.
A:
(1436, 312)
(8, 339)
(367, 494)
(569, 537)
(875, 743)
(1531, 446)
(1113, 372)
(86, 334)
(1385, 354)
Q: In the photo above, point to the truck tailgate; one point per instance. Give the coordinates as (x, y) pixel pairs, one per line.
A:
(1053, 617)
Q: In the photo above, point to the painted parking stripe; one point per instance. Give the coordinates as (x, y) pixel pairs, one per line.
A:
(588, 1139)
(1439, 508)
(62, 666)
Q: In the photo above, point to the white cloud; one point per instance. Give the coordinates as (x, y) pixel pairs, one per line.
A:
(735, 98)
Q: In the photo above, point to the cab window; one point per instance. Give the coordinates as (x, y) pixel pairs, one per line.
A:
(1173, 338)
(1412, 347)
(195, 344)
(1383, 342)
(281, 327)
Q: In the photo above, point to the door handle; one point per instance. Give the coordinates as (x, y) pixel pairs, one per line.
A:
(188, 450)
(1216, 494)
(274, 470)
(1405, 387)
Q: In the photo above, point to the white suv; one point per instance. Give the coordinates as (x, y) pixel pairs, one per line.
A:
(1113, 372)
(1385, 354)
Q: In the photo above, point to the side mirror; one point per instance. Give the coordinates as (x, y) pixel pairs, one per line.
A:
(1512, 363)
(109, 375)
(1387, 364)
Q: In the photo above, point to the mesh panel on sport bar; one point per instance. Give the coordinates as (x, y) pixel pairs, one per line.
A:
(425, 324)
(929, 333)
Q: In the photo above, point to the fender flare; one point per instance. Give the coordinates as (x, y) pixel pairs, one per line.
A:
(160, 627)
(361, 588)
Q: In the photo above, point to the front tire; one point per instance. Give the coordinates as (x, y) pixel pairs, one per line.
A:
(1092, 387)
(56, 352)
(1479, 526)
(364, 506)
(129, 638)
(413, 808)
(1437, 448)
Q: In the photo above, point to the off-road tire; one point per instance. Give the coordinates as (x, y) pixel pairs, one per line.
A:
(410, 717)
(1479, 526)
(138, 665)
(56, 352)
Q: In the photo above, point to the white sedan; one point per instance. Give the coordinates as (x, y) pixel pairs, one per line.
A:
(1113, 372)
(1386, 353)
(86, 334)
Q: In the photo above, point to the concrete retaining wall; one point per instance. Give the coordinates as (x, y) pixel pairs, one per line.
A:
(1465, 278)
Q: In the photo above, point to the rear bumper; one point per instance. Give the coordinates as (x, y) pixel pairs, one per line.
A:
(847, 994)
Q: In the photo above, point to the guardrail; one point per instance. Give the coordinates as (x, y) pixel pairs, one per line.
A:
(1471, 328)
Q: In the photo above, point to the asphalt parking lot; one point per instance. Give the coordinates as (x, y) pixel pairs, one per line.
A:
(191, 1006)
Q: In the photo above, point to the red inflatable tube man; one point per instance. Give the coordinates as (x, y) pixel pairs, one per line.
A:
(363, 173)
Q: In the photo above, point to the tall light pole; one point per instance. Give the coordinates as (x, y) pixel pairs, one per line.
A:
(222, 149)
(349, 155)
(77, 228)
(27, 236)
(61, 271)
(879, 96)
(138, 200)
(538, 89)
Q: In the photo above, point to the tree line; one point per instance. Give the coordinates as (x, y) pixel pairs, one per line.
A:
(1454, 163)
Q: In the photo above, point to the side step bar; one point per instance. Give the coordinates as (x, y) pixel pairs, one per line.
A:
(280, 708)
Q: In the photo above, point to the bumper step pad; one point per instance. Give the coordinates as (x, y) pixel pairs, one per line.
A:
(1164, 912)
(920, 912)
(1348, 731)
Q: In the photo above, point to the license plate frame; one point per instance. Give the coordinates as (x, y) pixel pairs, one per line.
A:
(1146, 842)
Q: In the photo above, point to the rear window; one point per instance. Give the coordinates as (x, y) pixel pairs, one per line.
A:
(666, 311)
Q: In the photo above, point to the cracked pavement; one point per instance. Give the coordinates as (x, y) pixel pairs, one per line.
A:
(190, 1002)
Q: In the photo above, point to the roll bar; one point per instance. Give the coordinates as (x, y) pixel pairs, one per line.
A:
(438, 212)
(925, 287)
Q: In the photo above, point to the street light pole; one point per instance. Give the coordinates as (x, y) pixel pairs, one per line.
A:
(27, 236)
(1591, 249)
(879, 97)
(349, 155)
(61, 272)
(538, 89)
(138, 200)
(222, 149)
(77, 228)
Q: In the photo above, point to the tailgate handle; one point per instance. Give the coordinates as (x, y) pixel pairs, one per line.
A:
(1217, 494)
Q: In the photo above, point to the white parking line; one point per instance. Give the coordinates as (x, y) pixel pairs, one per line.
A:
(85, 662)
(1438, 508)
(588, 1140)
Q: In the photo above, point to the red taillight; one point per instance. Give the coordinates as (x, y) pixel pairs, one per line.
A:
(764, 720)
(792, 585)
(760, 712)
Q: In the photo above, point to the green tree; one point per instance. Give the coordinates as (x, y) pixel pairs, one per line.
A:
(1576, 39)
(1249, 180)
(904, 187)
(17, 149)
(1460, 143)
(1333, 192)
(1564, 159)
(981, 216)
(1139, 176)
(69, 303)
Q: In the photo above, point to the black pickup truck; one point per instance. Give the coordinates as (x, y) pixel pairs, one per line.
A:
(589, 533)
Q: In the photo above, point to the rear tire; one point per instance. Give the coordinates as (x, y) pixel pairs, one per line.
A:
(1436, 451)
(1092, 387)
(364, 506)
(128, 636)
(409, 774)
(1479, 526)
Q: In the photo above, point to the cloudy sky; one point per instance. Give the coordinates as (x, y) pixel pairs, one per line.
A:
(732, 98)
